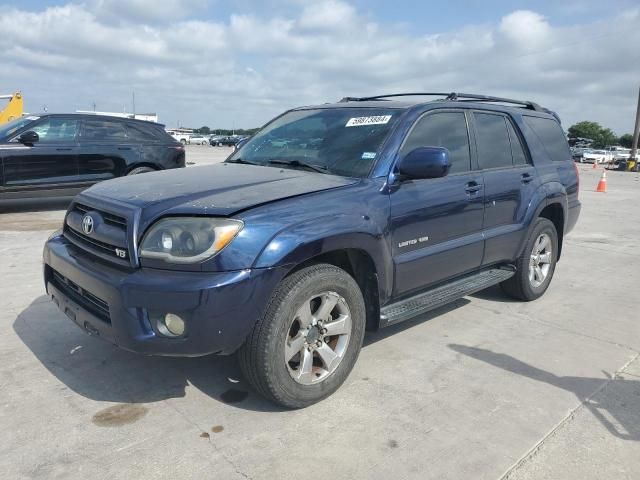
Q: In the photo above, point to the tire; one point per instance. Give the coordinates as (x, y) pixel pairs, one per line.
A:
(263, 359)
(522, 286)
(138, 170)
(183, 141)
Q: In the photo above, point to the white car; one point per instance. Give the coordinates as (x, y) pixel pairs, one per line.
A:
(597, 156)
(198, 140)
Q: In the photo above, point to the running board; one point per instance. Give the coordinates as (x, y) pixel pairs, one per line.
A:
(441, 295)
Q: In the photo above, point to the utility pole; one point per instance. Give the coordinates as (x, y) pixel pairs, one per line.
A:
(133, 100)
(636, 132)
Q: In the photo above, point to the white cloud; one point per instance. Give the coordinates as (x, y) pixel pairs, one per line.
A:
(251, 67)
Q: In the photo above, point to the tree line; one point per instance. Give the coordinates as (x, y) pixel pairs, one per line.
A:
(601, 136)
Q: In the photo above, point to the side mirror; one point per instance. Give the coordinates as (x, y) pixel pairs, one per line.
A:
(29, 137)
(425, 162)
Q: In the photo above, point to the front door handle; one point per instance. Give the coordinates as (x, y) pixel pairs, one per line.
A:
(473, 187)
(63, 149)
(124, 148)
(526, 178)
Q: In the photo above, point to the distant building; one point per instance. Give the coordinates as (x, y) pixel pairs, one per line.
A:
(149, 117)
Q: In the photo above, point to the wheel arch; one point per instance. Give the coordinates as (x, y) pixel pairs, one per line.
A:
(133, 166)
(555, 213)
(361, 266)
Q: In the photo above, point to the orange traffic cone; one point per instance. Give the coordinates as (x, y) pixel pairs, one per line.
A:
(602, 184)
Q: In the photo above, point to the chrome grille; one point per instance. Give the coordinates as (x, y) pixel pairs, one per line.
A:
(109, 238)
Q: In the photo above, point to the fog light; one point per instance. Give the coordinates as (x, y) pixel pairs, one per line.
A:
(174, 324)
(171, 325)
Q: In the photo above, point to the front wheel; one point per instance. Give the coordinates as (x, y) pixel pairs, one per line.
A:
(309, 338)
(536, 265)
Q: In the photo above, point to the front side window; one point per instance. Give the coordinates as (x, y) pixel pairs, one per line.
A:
(53, 129)
(446, 129)
(102, 130)
(8, 129)
(338, 141)
(494, 147)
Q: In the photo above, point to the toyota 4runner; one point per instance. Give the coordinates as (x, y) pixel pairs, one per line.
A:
(331, 220)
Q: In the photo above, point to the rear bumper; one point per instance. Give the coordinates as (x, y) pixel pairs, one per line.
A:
(120, 306)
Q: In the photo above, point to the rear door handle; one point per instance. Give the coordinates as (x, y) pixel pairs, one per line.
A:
(526, 178)
(63, 149)
(124, 148)
(473, 187)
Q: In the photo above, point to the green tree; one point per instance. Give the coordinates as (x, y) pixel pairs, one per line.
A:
(203, 130)
(626, 140)
(601, 136)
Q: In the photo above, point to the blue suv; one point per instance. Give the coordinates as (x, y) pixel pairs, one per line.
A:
(331, 220)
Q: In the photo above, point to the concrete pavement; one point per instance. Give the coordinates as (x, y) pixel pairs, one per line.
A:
(485, 388)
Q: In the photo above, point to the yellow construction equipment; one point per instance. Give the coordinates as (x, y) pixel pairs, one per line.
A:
(13, 110)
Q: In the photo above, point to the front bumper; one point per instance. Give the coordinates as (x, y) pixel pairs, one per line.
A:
(119, 305)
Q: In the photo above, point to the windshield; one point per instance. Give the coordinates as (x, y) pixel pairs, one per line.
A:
(339, 141)
(12, 127)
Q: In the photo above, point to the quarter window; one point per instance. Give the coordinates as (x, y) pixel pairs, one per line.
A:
(55, 129)
(551, 135)
(101, 130)
(446, 129)
(494, 148)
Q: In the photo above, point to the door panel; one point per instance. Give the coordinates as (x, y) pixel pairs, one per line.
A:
(105, 150)
(437, 223)
(437, 230)
(507, 194)
(49, 162)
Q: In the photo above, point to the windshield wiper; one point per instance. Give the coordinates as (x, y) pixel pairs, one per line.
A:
(298, 163)
(244, 162)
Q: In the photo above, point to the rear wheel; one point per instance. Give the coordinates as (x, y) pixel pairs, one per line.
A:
(536, 265)
(309, 338)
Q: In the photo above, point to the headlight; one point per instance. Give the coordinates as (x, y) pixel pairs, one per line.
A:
(188, 239)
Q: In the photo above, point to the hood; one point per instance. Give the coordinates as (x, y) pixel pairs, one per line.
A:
(221, 189)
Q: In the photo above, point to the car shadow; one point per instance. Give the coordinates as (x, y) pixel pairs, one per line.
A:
(495, 294)
(100, 371)
(616, 413)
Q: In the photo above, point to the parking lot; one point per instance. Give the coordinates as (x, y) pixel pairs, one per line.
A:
(485, 388)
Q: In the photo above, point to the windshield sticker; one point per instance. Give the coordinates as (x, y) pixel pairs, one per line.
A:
(368, 155)
(360, 121)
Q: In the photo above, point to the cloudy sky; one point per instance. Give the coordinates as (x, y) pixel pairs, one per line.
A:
(238, 63)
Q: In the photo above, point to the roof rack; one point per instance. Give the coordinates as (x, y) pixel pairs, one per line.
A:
(453, 96)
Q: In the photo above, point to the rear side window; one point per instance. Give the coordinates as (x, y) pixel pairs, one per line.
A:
(552, 137)
(519, 157)
(101, 130)
(141, 133)
(494, 147)
(446, 129)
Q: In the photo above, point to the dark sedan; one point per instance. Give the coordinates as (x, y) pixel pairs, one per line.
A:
(226, 141)
(62, 154)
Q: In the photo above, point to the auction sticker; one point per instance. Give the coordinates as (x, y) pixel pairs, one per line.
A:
(361, 121)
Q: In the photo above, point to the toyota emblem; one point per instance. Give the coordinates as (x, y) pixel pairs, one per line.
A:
(87, 224)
